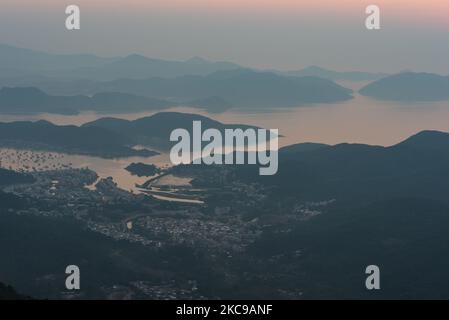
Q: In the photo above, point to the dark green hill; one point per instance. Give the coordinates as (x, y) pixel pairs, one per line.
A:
(43, 135)
(8, 293)
(416, 167)
(155, 130)
(302, 147)
(406, 237)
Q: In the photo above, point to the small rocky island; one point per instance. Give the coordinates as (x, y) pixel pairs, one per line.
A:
(142, 170)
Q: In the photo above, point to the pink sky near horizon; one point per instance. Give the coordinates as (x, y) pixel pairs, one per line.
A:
(329, 33)
(402, 12)
(416, 8)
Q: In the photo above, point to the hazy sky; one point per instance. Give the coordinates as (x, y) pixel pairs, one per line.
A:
(283, 34)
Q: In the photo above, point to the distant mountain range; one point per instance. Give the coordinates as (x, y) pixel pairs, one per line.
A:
(91, 82)
(242, 88)
(19, 62)
(409, 87)
(33, 100)
(140, 67)
(214, 86)
(215, 93)
(315, 71)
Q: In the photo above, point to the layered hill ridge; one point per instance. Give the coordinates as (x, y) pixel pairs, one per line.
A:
(242, 88)
(415, 167)
(409, 87)
(155, 130)
(34, 100)
(316, 71)
(20, 61)
(43, 135)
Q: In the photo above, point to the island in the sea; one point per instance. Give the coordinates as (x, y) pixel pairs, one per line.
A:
(142, 169)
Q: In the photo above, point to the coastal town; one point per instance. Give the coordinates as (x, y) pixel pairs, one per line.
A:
(211, 215)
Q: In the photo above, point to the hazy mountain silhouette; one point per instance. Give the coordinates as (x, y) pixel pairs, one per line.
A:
(315, 71)
(19, 62)
(57, 86)
(195, 80)
(140, 67)
(242, 88)
(409, 86)
(33, 100)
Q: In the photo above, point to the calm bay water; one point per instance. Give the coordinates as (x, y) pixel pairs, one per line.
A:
(27, 160)
(360, 120)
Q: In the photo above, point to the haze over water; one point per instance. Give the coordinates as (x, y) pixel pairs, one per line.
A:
(360, 120)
